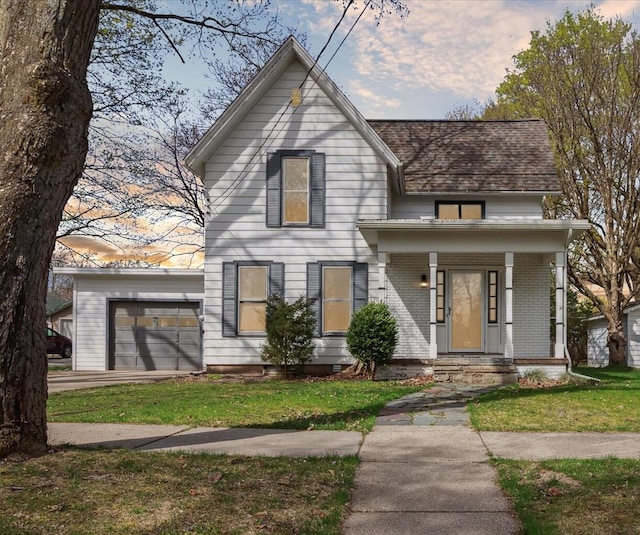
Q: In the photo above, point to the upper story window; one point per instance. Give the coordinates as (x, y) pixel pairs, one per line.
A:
(295, 189)
(459, 209)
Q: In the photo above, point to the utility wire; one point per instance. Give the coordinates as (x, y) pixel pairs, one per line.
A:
(251, 163)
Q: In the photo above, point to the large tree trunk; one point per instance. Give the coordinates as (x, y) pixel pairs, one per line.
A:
(617, 344)
(45, 108)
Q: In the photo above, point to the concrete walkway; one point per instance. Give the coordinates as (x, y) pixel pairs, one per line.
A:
(61, 381)
(425, 471)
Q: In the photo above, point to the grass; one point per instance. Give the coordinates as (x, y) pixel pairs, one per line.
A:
(572, 497)
(610, 406)
(122, 492)
(299, 404)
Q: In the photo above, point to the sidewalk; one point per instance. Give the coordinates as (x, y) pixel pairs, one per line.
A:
(232, 441)
(425, 471)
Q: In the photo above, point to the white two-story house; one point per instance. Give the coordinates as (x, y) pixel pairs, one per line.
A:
(442, 220)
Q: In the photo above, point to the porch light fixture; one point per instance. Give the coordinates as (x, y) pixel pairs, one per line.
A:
(423, 281)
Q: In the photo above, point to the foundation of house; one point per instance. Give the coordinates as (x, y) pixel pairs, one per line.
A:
(484, 370)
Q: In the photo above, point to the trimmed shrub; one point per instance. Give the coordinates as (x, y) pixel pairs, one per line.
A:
(290, 328)
(372, 336)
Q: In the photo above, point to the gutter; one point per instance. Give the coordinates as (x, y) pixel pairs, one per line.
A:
(571, 373)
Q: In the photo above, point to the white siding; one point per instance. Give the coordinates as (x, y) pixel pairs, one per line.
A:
(356, 188)
(531, 306)
(496, 207)
(633, 338)
(91, 308)
(597, 350)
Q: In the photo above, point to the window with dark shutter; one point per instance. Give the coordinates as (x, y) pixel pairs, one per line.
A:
(245, 288)
(295, 194)
(338, 289)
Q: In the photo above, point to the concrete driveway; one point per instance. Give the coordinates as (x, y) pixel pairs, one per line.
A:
(68, 380)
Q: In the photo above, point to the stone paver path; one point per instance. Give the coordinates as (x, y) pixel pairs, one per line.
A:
(424, 470)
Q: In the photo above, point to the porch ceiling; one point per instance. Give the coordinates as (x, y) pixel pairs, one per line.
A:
(470, 236)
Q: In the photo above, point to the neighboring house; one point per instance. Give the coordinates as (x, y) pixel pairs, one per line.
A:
(442, 220)
(597, 349)
(60, 315)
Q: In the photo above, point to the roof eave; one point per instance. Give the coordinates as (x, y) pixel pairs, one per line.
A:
(487, 192)
(134, 272)
(291, 50)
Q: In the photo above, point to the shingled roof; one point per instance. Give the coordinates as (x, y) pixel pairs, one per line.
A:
(472, 156)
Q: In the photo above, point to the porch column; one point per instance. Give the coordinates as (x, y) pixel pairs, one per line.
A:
(508, 305)
(433, 296)
(382, 277)
(561, 270)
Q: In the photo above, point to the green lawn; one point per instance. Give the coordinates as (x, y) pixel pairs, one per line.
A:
(569, 496)
(214, 402)
(73, 492)
(612, 405)
(574, 497)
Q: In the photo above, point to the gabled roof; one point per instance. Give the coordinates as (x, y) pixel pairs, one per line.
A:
(55, 304)
(290, 51)
(472, 156)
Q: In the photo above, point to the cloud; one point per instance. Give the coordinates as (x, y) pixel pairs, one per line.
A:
(621, 8)
(375, 99)
(462, 48)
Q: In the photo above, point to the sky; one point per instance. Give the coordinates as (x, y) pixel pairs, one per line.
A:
(443, 54)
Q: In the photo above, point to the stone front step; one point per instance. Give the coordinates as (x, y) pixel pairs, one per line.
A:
(403, 369)
(475, 370)
(481, 369)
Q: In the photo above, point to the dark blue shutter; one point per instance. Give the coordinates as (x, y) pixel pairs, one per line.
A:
(229, 299)
(314, 274)
(273, 197)
(276, 279)
(318, 179)
(360, 285)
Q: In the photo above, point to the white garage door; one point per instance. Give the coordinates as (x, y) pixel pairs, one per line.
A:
(150, 335)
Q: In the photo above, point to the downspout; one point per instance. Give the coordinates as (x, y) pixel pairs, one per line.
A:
(570, 372)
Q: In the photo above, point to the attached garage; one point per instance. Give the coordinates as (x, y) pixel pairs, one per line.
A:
(150, 335)
(137, 319)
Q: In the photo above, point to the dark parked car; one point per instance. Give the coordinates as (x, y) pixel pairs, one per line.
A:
(58, 344)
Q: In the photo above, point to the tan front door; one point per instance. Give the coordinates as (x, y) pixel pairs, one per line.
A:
(466, 332)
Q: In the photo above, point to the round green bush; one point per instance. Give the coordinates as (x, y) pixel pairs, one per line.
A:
(373, 335)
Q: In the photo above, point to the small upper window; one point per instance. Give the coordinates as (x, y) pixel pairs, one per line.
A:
(460, 210)
(295, 190)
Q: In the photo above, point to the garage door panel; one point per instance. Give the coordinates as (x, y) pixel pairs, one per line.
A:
(126, 362)
(156, 336)
(190, 337)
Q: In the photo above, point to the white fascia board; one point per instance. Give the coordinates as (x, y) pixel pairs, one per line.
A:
(291, 50)
(500, 193)
(375, 230)
(129, 272)
(481, 225)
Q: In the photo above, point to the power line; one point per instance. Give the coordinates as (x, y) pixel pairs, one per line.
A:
(250, 163)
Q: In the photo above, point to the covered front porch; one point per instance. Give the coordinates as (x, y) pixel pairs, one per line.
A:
(465, 290)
